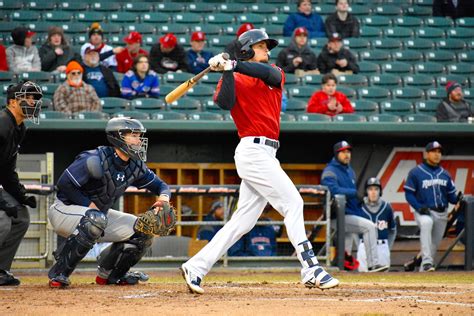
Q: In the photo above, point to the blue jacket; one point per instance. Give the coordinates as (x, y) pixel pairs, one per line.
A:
(261, 241)
(209, 231)
(135, 87)
(340, 179)
(428, 186)
(198, 62)
(313, 23)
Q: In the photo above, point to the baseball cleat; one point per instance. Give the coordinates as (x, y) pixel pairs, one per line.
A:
(8, 279)
(193, 281)
(318, 277)
(59, 282)
(427, 267)
(130, 278)
(378, 268)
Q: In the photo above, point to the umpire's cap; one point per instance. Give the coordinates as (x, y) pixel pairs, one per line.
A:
(251, 37)
(340, 146)
(432, 146)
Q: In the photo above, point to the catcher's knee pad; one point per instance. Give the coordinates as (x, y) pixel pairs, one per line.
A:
(77, 246)
(118, 258)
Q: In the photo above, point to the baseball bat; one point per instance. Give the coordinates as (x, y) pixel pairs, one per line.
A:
(180, 90)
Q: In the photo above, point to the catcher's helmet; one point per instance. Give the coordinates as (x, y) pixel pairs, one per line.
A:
(373, 182)
(247, 39)
(23, 92)
(116, 130)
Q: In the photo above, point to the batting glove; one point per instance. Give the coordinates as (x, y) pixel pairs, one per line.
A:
(215, 63)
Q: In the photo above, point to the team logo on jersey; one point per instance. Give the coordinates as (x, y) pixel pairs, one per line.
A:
(381, 225)
(429, 183)
(120, 177)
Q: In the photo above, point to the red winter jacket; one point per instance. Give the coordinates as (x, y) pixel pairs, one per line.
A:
(3, 59)
(125, 59)
(319, 103)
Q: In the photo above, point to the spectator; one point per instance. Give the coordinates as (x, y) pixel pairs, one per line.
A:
(336, 58)
(307, 18)
(339, 177)
(429, 189)
(207, 232)
(453, 8)
(342, 21)
(96, 41)
(3, 59)
(99, 76)
(261, 240)
(56, 53)
(298, 55)
(74, 95)
(167, 55)
(198, 58)
(140, 81)
(454, 108)
(133, 49)
(233, 48)
(329, 101)
(23, 55)
(381, 214)
(284, 101)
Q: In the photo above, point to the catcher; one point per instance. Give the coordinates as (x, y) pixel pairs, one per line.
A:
(82, 212)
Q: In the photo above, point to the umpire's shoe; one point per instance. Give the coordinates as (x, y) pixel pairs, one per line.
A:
(59, 282)
(192, 280)
(7, 279)
(316, 276)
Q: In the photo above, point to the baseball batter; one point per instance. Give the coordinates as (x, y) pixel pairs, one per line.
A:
(381, 214)
(429, 189)
(88, 188)
(252, 90)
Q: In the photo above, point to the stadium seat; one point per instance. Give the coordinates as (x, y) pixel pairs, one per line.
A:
(396, 68)
(388, 10)
(465, 22)
(356, 44)
(349, 118)
(89, 17)
(137, 7)
(419, 81)
(166, 88)
(176, 77)
(187, 18)
(285, 117)
(430, 33)
(418, 11)
(53, 115)
(91, 116)
(451, 44)
(436, 93)
(462, 33)
(201, 92)
(231, 8)
(398, 32)
(353, 80)
(6, 6)
(438, 22)
(205, 116)
(469, 94)
(37, 76)
(211, 78)
(147, 104)
(397, 107)
(375, 55)
(74, 6)
(112, 28)
(429, 68)
(169, 7)
(348, 91)
(123, 17)
(49, 89)
(185, 104)
(301, 92)
(219, 18)
(133, 114)
(253, 18)
(407, 21)
(427, 106)
(163, 116)
(313, 117)
(211, 106)
(323, 9)
(442, 80)
(314, 42)
(376, 94)
(155, 18)
(440, 56)
(278, 19)
(368, 68)
(220, 41)
(419, 118)
(112, 105)
(385, 81)
(46, 105)
(370, 32)
(410, 94)
(296, 106)
(200, 7)
(365, 107)
(273, 30)
(384, 118)
(291, 79)
(105, 6)
(209, 29)
(461, 69)
(312, 80)
(141, 28)
(57, 16)
(6, 76)
(419, 44)
(387, 43)
(376, 21)
(25, 16)
(466, 57)
(259, 8)
(74, 28)
(408, 56)
(360, 10)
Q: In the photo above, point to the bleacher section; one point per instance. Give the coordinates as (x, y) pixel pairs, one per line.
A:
(406, 56)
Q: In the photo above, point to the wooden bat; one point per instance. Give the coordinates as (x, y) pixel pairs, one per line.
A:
(180, 90)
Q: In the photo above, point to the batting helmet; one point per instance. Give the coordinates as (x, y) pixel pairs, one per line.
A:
(116, 130)
(23, 92)
(373, 182)
(251, 37)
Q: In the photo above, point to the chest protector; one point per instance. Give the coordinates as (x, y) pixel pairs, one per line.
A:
(115, 179)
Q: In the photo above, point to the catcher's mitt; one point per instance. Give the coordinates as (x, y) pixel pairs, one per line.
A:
(157, 220)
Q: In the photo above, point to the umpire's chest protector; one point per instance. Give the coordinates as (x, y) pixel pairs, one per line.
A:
(115, 179)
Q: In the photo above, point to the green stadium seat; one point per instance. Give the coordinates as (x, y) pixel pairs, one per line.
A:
(278, 19)
(4, 87)
(418, 11)
(313, 42)
(356, 44)
(112, 28)
(176, 77)
(133, 114)
(105, 6)
(185, 104)
(211, 78)
(419, 81)
(187, 18)
(375, 55)
(74, 27)
(53, 115)
(211, 106)
(137, 7)
(461, 69)
(155, 18)
(323, 9)
(219, 18)
(465, 22)
(387, 43)
(177, 29)
(201, 92)
(436, 93)
(123, 17)
(7, 27)
(359, 10)
(430, 32)
(376, 94)
(46, 105)
(376, 21)
(273, 30)
(398, 32)
(397, 107)
(410, 94)
(74, 6)
(25, 16)
(419, 118)
(440, 56)
(466, 57)
(348, 91)
(200, 7)
(301, 92)
(427, 106)
(37, 76)
(353, 80)
(291, 79)
(420, 44)
(438, 22)
(408, 56)
(469, 94)
(40, 6)
(209, 29)
(90, 17)
(49, 89)
(259, 8)
(451, 44)
(112, 105)
(368, 68)
(11, 5)
(385, 81)
(430, 68)
(166, 88)
(442, 80)
(6, 76)
(142, 28)
(255, 19)
(312, 80)
(285, 117)
(165, 116)
(227, 29)
(396, 68)
(149, 40)
(388, 10)
(426, 3)
(112, 39)
(169, 7)
(407, 21)
(370, 32)
(295, 105)
(231, 8)
(462, 33)
(365, 107)
(147, 104)
(349, 118)
(221, 41)
(384, 118)
(91, 116)
(205, 116)
(313, 117)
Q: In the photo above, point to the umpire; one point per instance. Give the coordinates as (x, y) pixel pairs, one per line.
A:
(429, 189)
(23, 102)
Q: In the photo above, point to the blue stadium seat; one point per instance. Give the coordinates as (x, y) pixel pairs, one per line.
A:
(25, 16)
(219, 18)
(211, 78)
(123, 17)
(74, 6)
(231, 8)
(384, 118)
(187, 18)
(466, 57)
(6, 76)
(323, 9)
(6, 6)
(201, 92)
(142, 28)
(360, 10)
(209, 29)
(314, 42)
(469, 94)
(89, 17)
(176, 77)
(49, 89)
(357, 44)
(418, 11)
(385, 81)
(104, 6)
(155, 17)
(312, 80)
(259, 8)
(430, 33)
(57, 16)
(278, 19)
(200, 7)
(37, 76)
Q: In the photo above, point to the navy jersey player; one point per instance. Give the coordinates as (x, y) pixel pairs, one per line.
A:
(429, 189)
(82, 213)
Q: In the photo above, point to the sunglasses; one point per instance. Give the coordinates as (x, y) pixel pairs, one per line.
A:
(76, 73)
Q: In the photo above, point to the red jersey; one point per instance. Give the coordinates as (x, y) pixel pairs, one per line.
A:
(319, 103)
(257, 106)
(125, 59)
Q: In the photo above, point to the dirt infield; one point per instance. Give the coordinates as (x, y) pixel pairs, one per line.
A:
(241, 293)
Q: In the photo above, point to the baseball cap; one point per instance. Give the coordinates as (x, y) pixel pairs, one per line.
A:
(340, 146)
(132, 38)
(168, 41)
(432, 146)
(301, 31)
(244, 28)
(216, 205)
(335, 37)
(451, 85)
(91, 49)
(198, 36)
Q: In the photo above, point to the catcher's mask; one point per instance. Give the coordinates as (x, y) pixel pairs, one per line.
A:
(251, 37)
(116, 130)
(29, 96)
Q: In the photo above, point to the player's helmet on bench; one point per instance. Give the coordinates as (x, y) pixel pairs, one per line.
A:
(116, 130)
(373, 182)
(247, 39)
(23, 92)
